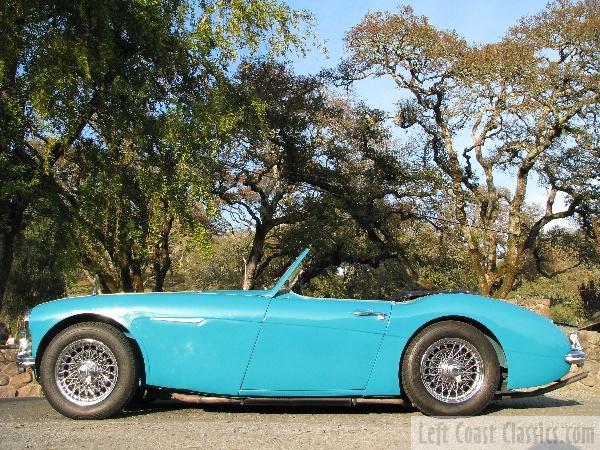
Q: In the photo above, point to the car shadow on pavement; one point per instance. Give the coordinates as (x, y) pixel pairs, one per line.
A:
(529, 403)
(161, 406)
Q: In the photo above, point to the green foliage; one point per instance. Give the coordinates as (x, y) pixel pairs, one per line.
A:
(117, 106)
(123, 121)
(528, 103)
(590, 298)
(219, 267)
(359, 281)
(566, 313)
(41, 268)
(554, 289)
(239, 25)
(572, 293)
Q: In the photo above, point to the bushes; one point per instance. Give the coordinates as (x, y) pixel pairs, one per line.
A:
(39, 272)
(590, 298)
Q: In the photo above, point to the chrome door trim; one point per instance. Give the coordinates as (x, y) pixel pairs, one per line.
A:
(378, 314)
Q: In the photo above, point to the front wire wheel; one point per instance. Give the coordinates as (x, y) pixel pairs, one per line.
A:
(450, 368)
(89, 371)
(86, 372)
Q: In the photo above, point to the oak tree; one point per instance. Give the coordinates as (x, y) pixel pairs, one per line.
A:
(525, 105)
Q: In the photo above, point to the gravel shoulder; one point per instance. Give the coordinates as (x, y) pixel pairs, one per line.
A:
(32, 423)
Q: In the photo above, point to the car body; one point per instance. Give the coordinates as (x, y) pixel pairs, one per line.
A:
(278, 344)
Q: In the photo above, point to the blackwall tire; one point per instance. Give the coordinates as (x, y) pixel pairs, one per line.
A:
(450, 368)
(89, 371)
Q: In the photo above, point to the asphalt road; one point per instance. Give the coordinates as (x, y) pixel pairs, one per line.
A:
(32, 423)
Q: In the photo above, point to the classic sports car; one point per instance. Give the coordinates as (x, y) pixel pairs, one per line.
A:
(447, 353)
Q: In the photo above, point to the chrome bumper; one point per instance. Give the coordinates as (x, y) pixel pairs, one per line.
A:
(577, 355)
(24, 360)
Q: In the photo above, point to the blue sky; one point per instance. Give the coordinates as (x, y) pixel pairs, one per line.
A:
(478, 21)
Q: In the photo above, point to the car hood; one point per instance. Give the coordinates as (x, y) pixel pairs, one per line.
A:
(152, 296)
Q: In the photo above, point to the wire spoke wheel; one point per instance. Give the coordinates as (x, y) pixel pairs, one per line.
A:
(90, 370)
(86, 372)
(452, 370)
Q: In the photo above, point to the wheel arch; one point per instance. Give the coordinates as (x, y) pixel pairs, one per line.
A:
(89, 317)
(500, 352)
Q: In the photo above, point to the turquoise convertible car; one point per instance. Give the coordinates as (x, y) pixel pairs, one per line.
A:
(446, 353)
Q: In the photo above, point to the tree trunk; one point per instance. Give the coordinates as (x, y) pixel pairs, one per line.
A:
(126, 281)
(256, 254)
(8, 233)
(596, 230)
(160, 273)
(162, 256)
(137, 279)
(130, 269)
(411, 274)
(508, 281)
(6, 258)
(108, 284)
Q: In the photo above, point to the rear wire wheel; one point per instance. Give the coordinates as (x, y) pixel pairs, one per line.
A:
(450, 369)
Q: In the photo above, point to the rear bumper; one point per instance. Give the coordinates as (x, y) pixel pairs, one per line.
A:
(576, 357)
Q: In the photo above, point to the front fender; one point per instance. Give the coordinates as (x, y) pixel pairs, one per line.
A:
(45, 317)
(49, 318)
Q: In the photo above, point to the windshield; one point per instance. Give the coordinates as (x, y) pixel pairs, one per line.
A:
(289, 278)
(292, 280)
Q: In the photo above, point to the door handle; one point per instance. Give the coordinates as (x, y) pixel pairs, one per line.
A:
(379, 315)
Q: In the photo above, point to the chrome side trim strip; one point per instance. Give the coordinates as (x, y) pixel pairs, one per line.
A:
(195, 320)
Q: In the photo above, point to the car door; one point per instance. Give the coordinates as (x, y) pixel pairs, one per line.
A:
(200, 342)
(310, 346)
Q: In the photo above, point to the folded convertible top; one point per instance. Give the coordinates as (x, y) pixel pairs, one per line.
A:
(410, 295)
